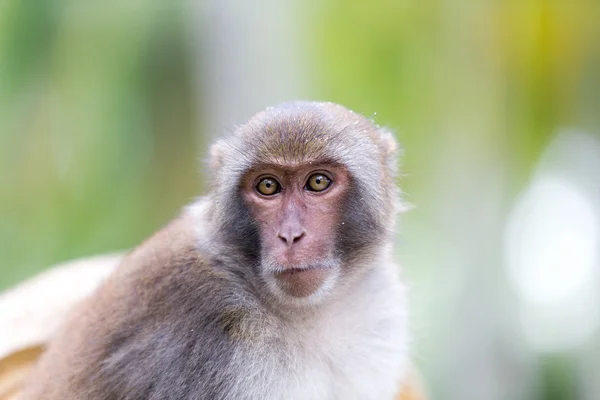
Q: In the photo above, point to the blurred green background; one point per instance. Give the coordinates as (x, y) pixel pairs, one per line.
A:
(106, 109)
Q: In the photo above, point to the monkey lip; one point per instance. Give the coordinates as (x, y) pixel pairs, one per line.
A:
(297, 270)
(302, 282)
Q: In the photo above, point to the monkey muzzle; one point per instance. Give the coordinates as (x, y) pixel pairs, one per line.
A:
(303, 281)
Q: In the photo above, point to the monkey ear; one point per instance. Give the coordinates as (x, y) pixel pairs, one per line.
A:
(392, 151)
(389, 148)
(388, 142)
(217, 155)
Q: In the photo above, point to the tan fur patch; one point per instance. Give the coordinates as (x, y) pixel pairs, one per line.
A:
(14, 370)
(412, 389)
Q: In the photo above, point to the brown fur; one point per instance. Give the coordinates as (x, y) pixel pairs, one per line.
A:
(194, 313)
(138, 296)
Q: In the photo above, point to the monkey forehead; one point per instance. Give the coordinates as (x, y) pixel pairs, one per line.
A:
(304, 132)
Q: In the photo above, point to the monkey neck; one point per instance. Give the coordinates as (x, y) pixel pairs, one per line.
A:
(364, 286)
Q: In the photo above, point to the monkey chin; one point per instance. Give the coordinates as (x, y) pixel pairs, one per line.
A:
(301, 284)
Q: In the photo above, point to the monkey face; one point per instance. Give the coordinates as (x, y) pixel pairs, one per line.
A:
(306, 192)
(297, 210)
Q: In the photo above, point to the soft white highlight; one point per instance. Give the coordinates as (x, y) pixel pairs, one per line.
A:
(552, 246)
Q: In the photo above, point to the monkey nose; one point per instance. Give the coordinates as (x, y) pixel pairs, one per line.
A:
(290, 237)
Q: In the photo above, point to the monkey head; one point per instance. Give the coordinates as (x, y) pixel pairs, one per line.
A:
(306, 191)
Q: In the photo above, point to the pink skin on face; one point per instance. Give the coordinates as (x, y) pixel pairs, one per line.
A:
(297, 225)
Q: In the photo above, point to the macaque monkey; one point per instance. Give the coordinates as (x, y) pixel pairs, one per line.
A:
(279, 284)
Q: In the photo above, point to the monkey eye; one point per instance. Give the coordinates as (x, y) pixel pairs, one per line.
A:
(268, 187)
(317, 183)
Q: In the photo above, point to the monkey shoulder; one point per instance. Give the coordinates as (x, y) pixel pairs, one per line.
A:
(193, 319)
(165, 325)
(171, 280)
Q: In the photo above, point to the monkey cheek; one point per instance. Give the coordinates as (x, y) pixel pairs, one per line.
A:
(301, 282)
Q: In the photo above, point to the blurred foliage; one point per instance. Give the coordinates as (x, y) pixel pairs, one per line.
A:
(96, 120)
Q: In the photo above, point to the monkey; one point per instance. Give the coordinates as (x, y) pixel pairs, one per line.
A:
(279, 283)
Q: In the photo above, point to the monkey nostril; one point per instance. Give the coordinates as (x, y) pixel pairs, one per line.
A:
(290, 238)
(296, 238)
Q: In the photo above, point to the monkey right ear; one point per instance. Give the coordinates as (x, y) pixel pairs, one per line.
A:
(217, 155)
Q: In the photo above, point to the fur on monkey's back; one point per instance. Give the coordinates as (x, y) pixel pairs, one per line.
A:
(108, 351)
(199, 333)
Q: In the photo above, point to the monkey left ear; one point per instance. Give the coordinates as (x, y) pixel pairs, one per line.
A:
(390, 149)
(388, 142)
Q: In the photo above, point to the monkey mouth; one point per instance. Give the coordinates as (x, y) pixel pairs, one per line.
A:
(297, 270)
(302, 281)
(293, 269)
